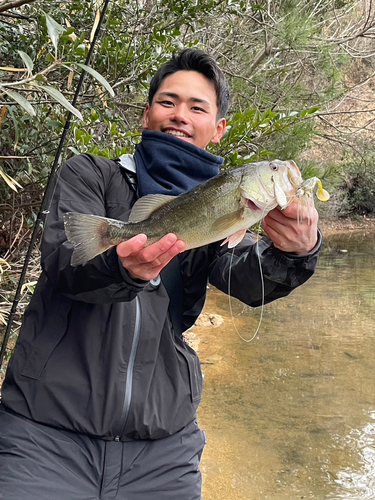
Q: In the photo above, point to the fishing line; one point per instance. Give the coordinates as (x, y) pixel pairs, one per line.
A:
(302, 201)
(48, 193)
(262, 290)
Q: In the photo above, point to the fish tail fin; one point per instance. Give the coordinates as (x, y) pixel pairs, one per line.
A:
(87, 234)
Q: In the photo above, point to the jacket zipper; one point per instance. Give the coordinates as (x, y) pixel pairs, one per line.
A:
(130, 370)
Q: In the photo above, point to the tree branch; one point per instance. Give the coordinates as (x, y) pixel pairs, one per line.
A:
(262, 54)
(11, 4)
(29, 79)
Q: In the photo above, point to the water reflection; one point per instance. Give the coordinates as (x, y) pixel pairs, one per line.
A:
(291, 415)
(358, 483)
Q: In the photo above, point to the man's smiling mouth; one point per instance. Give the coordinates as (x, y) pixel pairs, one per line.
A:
(177, 133)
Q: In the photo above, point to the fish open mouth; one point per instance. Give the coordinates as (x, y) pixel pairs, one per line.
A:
(250, 204)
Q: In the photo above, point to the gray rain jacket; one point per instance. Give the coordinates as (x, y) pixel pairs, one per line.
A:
(97, 352)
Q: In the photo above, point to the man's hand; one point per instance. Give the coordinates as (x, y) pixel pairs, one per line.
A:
(145, 263)
(287, 233)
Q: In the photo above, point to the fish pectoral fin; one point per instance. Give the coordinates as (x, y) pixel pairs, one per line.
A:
(234, 238)
(145, 206)
(224, 223)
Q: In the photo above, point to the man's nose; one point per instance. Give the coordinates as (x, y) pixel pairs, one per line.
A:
(180, 113)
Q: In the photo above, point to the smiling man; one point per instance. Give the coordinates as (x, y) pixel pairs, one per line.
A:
(185, 106)
(101, 392)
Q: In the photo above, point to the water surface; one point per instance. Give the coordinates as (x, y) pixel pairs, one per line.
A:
(291, 415)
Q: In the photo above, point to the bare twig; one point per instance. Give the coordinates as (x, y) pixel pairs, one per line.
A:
(30, 79)
(13, 157)
(11, 4)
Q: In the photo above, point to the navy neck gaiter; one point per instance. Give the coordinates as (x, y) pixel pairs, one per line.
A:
(168, 165)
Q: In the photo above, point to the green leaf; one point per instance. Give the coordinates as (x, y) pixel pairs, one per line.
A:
(28, 287)
(21, 101)
(98, 77)
(74, 150)
(54, 124)
(40, 78)
(27, 60)
(257, 6)
(57, 95)
(54, 30)
(16, 128)
(312, 110)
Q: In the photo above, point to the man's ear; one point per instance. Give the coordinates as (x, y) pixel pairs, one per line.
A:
(145, 117)
(220, 129)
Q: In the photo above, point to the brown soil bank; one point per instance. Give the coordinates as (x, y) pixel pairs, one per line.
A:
(356, 223)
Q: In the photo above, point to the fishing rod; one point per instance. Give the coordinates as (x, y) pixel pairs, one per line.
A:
(48, 191)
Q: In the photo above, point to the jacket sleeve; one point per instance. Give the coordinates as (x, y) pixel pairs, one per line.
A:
(88, 185)
(238, 272)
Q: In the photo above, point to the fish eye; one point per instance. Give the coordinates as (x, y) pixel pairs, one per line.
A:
(273, 166)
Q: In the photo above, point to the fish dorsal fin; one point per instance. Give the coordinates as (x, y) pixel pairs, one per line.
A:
(227, 221)
(145, 206)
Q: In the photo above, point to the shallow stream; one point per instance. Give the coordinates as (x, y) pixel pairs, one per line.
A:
(291, 415)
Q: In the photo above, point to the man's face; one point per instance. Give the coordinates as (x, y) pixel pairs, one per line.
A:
(185, 107)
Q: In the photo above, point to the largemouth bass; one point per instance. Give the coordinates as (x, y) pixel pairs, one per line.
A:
(221, 208)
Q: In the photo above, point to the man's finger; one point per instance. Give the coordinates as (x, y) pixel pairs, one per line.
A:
(128, 247)
(156, 250)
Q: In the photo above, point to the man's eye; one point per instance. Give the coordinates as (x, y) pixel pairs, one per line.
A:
(166, 103)
(197, 108)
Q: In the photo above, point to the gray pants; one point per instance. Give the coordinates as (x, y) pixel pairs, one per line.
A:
(42, 463)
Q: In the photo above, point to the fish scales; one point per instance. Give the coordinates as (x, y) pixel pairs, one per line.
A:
(211, 202)
(222, 207)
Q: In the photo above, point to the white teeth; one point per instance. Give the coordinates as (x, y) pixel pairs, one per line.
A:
(176, 133)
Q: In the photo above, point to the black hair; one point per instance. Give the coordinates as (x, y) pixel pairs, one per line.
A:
(195, 60)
